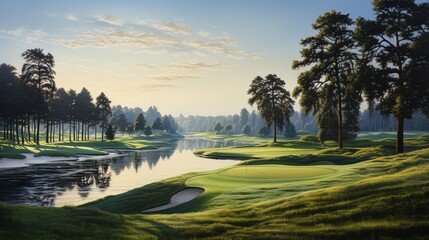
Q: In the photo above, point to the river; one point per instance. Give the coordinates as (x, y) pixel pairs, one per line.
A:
(74, 182)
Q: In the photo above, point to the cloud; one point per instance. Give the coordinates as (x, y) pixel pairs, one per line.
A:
(175, 28)
(204, 34)
(150, 87)
(108, 37)
(71, 17)
(172, 76)
(147, 35)
(109, 20)
(222, 46)
(196, 65)
(145, 65)
(29, 36)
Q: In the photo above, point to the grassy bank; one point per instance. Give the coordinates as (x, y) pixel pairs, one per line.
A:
(74, 149)
(360, 192)
(386, 197)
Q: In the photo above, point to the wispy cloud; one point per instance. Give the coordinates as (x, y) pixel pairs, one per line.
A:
(175, 28)
(149, 87)
(29, 36)
(145, 65)
(155, 37)
(221, 47)
(111, 37)
(71, 17)
(109, 20)
(195, 65)
(172, 76)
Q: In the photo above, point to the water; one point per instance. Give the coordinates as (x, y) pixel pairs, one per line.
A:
(76, 182)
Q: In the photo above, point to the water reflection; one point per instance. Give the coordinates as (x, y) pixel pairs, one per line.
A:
(76, 182)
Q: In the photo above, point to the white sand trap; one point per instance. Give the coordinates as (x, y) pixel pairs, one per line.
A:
(178, 198)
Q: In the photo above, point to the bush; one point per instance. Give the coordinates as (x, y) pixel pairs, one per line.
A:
(309, 138)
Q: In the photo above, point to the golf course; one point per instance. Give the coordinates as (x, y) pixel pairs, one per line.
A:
(202, 119)
(274, 194)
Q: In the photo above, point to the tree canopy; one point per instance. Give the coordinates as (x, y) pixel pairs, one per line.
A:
(272, 100)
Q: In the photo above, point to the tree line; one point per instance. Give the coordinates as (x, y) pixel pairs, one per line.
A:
(32, 105)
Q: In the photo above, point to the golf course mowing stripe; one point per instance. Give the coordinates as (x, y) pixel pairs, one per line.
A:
(275, 172)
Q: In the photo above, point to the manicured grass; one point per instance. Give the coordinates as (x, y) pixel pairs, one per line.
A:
(381, 135)
(274, 172)
(99, 147)
(360, 192)
(271, 150)
(383, 198)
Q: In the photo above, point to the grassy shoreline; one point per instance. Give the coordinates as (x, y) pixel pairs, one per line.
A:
(74, 149)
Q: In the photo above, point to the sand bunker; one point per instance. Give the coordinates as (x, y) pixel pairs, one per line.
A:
(178, 198)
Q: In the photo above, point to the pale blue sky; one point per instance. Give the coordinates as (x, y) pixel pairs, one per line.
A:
(191, 57)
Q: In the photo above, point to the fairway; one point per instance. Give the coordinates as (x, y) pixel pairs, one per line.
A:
(275, 172)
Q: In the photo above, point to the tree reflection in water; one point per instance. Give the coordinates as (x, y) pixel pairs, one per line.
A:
(41, 184)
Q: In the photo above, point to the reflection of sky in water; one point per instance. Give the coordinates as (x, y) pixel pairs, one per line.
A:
(74, 183)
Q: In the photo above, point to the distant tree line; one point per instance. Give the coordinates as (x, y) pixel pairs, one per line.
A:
(251, 124)
(135, 120)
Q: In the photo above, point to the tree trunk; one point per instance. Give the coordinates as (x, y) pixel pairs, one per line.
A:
(34, 128)
(275, 131)
(83, 132)
(47, 131)
(400, 135)
(28, 129)
(17, 131)
(22, 132)
(38, 130)
(340, 122)
(102, 133)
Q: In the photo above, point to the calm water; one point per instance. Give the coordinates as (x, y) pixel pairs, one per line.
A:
(77, 182)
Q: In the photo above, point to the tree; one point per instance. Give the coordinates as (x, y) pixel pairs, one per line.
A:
(173, 125)
(218, 127)
(84, 107)
(122, 123)
(244, 117)
(104, 111)
(165, 122)
(264, 131)
(38, 72)
(129, 129)
(151, 115)
(330, 55)
(228, 128)
(246, 129)
(272, 100)
(140, 123)
(147, 131)
(157, 124)
(110, 133)
(393, 71)
(290, 130)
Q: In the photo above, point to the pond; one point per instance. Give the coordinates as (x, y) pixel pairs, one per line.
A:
(76, 182)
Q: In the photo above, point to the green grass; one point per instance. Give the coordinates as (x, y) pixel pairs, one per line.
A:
(67, 149)
(295, 190)
(382, 198)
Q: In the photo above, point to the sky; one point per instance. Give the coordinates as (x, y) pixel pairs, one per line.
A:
(191, 57)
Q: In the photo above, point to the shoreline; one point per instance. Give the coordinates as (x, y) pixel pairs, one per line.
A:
(30, 159)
